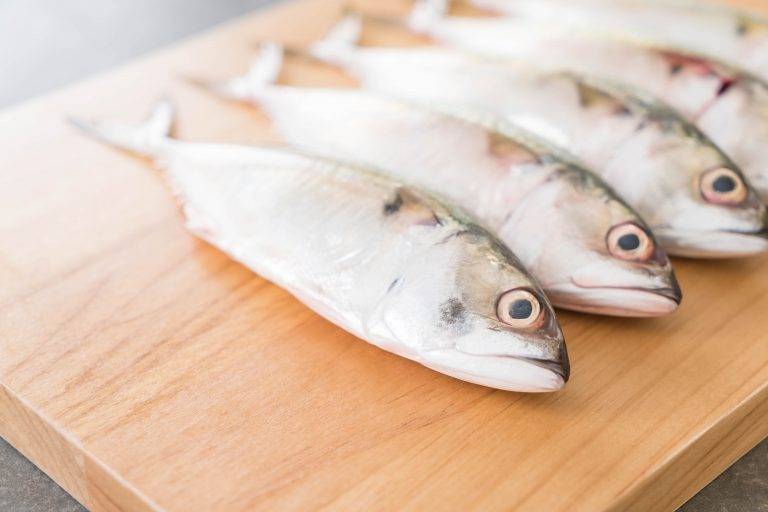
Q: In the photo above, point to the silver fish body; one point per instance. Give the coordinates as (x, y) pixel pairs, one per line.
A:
(729, 105)
(563, 222)
(385, 262)
(705, 28)
(660, 163)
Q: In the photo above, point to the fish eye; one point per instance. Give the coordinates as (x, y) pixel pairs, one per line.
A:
(723, 186)
(630, 242)
(520, 309)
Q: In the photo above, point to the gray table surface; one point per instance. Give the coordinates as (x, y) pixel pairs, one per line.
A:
(45, 44)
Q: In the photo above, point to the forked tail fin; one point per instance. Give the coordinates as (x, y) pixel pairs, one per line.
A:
(426, 12)
(264, 72)
(340, 40)
(144, 139)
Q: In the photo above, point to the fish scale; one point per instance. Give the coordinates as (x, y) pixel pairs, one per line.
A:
(707, 28)
(643, 149)
(386, 262)
(553, 214)
(726, 103)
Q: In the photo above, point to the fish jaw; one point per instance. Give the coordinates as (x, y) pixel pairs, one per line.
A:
(607, 290)
(635, 302)
(713, 245)
(509, 373)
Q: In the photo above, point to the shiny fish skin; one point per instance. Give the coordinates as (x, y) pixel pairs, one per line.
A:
(385, 262)
(729, 105)
(553, 214)
(649, 154)
(714, 30)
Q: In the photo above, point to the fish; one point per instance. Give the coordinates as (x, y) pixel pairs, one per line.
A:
(728, 104)
(589, 250)
(661, 164)
(389, 263)
(711, 29)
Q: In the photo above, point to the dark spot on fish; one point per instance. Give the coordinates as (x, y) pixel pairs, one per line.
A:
(453, 315)
(642, 125)
(742, 27)
(725, 86)
(437, 220)
(675, 69)
(393, 206)
(449, 237)
(452, 311)
(629, 242)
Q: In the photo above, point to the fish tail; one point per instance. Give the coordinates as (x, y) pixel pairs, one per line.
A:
(144, 139)
(264, 72)
(426, 12)
(340, 39)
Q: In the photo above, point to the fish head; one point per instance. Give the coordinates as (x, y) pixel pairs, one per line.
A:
(738, 120)
(696, 200)
(592, 252)
(478, 316)
(734, 112)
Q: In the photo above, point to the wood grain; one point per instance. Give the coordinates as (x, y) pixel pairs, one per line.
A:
(144, 370)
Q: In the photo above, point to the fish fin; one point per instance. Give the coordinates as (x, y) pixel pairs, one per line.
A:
(144, 139)
(426, 12)
(340, 39)
(411, 209)
(591, 96)
(746, 25)
(508, 150)
(264, 71)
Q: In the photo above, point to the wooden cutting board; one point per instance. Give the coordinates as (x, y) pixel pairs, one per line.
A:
(144, 370)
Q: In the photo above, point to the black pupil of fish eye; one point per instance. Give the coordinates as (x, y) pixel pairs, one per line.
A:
(629, 242)
(724, 184)
(521, 309)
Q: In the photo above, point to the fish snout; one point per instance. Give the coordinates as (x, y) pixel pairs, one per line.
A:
(558, 363)
(546, 371)
(630, 292)
(747, 237)
(673, 292)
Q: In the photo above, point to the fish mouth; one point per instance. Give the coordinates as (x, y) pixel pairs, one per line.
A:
(714, 244)
(762, 233)
(509, 373)
(635, 302)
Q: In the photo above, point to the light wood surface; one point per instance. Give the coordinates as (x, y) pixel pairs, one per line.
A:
(144, 370)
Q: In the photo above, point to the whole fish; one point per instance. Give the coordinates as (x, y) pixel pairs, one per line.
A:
(589, 250)
(662, 165)
(384, 261)
(701, 27)
(729, 105)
